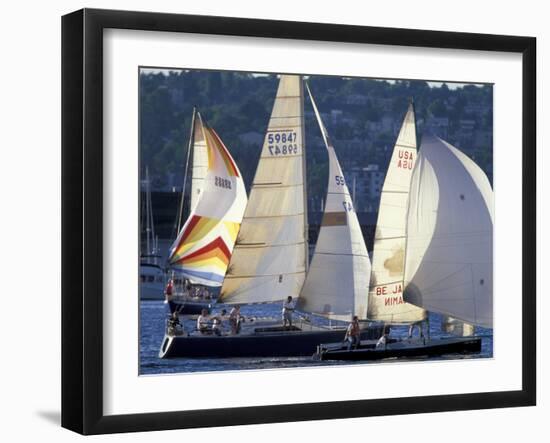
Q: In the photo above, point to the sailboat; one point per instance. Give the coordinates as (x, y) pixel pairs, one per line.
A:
(337, 283)
(151, 273)
(448, 254)
(270, 258)
(201, 252)
(385, 300)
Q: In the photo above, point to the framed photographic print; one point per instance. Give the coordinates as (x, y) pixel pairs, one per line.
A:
(273, 221)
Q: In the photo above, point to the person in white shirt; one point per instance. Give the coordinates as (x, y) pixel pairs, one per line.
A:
(288, 309)
(217, 322)
(235, 320)
(382, 341)
(203, 321)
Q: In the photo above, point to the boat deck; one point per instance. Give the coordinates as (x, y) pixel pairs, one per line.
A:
(367, 349)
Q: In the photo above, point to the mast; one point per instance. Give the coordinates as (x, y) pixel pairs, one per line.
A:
(270, 257)
(189, 148)
(449, 253)
(149, 232)
(337, 283)
(304, 174)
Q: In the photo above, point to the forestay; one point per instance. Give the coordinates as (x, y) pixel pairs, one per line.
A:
(204, 245)
(269, 261)
(337, 282)
(385, 301)
(449, 259)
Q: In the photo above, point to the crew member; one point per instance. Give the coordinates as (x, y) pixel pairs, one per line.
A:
(203, 321)
(288, 309)
(235, 320)
(169, 296)
(353, 333)
(217, 322)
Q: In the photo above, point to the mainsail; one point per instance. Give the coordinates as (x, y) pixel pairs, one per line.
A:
(270, 257)
(204, 244)
(385, 301)
(337, 282)
(199, 167)
(449, 256)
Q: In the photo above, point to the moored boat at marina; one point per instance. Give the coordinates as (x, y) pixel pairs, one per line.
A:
(151, 273)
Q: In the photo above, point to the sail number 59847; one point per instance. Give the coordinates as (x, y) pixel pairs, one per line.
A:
(282, 143)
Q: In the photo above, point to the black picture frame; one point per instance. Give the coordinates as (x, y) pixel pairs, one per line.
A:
(82, 218)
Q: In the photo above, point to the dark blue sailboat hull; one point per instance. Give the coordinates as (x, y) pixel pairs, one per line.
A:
(405, 348)
(273, 343)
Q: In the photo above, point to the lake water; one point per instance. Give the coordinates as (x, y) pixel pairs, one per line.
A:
(152, 321)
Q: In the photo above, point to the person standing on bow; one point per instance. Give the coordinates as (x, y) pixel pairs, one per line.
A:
(288, 309)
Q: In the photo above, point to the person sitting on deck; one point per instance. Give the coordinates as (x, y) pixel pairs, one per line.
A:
(217, 322)
(353, 333)
(235, 320)
(203, 321)
(420, 329)
(288, 309)
(174, 324)
(382, 341)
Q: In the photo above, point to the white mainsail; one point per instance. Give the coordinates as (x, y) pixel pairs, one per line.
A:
(199, 166)
(385, 301)
(205, 242)
(270, 257)
(337, 283)
(449, 256)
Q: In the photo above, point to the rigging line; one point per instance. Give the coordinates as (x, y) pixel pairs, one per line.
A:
(339, 193)
(273, 186)
(386, 205)
(387, 283)
(264, 245)
(273, 216)
(389, 238)
(401, 145)
(437, 291)
(251, 288)
(282, 128)
(282, 156)
(230, 277)
(283, 116)
(342, 254)
(473, 291)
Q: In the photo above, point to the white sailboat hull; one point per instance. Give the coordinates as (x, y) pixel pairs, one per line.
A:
(151, 285)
